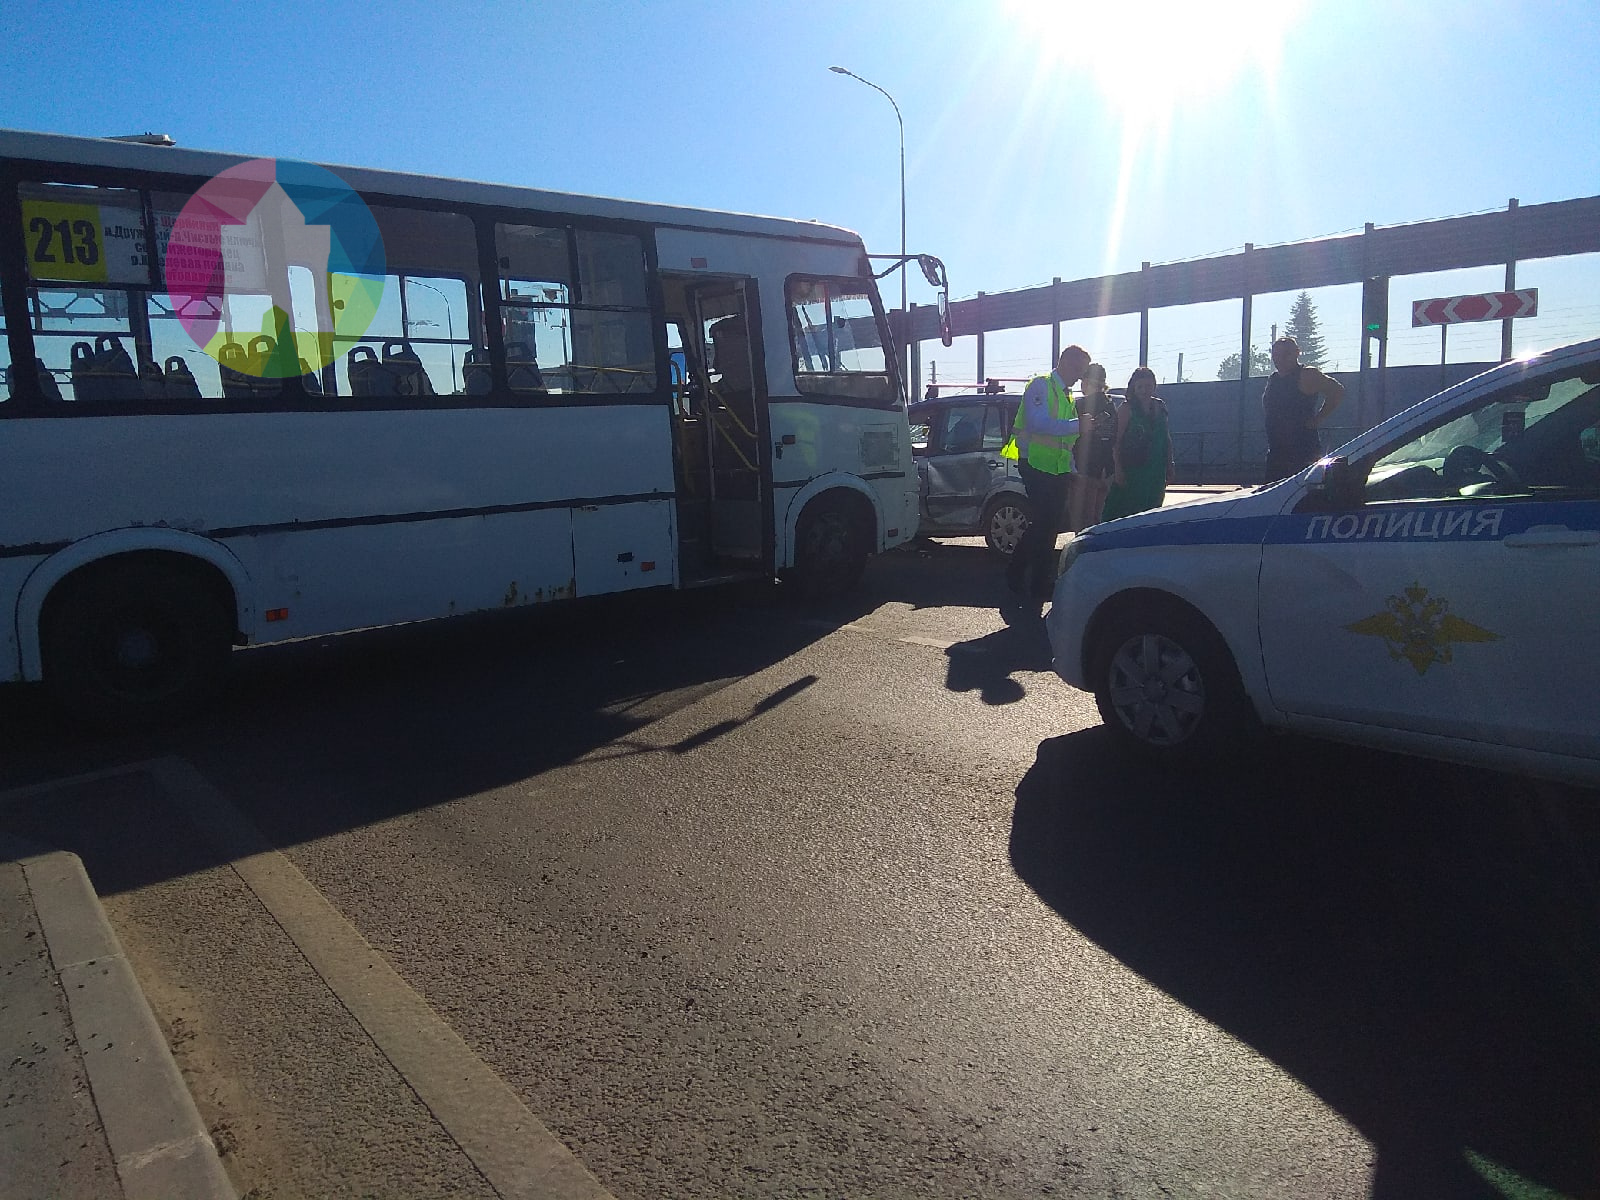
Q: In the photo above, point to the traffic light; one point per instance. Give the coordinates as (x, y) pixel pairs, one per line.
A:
(1375, 307)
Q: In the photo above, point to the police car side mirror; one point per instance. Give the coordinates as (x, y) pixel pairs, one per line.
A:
(1333, 484)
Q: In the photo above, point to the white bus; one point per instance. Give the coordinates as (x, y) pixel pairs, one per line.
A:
(548, 396)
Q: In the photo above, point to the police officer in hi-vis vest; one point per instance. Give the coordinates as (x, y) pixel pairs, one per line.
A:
(1041, 443)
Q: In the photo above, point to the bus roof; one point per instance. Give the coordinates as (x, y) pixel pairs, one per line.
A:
(136, 156)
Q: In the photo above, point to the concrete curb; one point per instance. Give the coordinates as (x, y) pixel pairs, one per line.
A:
(157, 1139)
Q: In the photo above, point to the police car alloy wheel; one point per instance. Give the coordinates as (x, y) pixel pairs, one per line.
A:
(1168, 687)
(1003, 526)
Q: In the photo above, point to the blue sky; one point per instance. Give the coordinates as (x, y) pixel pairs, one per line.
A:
(1042, 139)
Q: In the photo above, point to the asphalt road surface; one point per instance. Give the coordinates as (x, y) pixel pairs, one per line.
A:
(733, 898)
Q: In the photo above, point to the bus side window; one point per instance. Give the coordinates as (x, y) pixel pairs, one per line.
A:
(425, 339)
(536, 307)
(592, 333)
(105, 330)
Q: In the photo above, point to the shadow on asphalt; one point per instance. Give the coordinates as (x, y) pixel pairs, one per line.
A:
(1420, 945)
(987, 665)
(929, 574)
(317, 737)
(367, 726)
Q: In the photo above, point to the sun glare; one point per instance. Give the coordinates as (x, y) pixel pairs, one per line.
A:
(1146, 56)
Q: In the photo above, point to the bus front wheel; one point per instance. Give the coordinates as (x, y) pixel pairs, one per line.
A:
(134, 644)
(831, 546)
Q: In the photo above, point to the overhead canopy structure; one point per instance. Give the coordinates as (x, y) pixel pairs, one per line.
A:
(1483, 239)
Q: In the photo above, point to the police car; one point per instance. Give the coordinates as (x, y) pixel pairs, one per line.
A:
(1433, 587)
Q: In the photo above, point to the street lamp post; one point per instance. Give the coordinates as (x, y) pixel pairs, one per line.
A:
(905, 313)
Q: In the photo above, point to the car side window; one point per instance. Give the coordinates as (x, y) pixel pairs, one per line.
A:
(921, 427)
(995, 427)
(1525, 441)
(963, 429)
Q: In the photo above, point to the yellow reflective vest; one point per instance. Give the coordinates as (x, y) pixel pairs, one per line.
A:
(1045, 452)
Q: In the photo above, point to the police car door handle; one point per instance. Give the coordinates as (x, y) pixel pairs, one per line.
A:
(1553, 535)
(993, 466)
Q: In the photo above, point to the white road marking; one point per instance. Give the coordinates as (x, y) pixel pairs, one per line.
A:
(514, 1150)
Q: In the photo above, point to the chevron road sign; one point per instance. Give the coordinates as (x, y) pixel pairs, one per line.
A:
(1487, 306)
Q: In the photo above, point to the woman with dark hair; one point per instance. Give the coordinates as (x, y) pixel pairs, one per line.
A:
(1142, 454)
(1092, 465)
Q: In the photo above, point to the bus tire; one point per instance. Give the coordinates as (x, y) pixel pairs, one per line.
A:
(135, 644)
(831, 546)
(1167, 687)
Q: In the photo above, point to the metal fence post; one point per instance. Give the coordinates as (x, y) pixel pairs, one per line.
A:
(1244, 350)
(1144, 314)
(1055, 330)
(1511, 276)
(978, 312)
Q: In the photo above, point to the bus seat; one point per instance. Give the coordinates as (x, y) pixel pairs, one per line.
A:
(476, 374)
(522, 369)
(241, 367)
(231, 360)
(153, 381)
(410, 378)
(47, 382)
(104, 371)
(180, 381)
(367, 376)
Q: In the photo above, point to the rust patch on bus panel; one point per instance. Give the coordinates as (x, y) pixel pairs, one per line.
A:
(540, 595)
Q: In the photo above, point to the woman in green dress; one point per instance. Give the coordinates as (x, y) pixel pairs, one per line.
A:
(1142, 455)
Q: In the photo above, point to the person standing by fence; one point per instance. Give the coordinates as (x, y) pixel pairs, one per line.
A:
(1297, 402)
(1042, 437)
(1142, 454)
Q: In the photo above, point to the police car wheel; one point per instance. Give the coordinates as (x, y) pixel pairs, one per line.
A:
(1003, 524)
(1167, 686)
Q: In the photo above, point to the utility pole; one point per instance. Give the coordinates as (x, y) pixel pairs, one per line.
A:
(899, 121)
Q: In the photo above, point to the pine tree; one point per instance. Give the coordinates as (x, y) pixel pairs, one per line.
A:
(1302, 327)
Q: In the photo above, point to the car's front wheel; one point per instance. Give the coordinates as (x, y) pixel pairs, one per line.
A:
(1166, 684)
(1004, 522)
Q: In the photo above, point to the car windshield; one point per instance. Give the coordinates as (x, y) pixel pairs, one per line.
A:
(1522, 440)
(1484, 428)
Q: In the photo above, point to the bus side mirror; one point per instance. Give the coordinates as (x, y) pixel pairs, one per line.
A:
(933, 271)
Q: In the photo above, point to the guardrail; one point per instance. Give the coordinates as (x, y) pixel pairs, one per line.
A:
(1229, 456)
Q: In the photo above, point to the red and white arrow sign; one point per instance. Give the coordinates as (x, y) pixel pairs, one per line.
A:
(1486, 306)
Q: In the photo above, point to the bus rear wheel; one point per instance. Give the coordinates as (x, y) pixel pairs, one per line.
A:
(134, 645)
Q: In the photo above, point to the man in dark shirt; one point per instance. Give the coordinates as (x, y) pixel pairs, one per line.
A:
(1298, 401)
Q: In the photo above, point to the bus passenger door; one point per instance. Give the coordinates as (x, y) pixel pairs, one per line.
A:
(719, 423)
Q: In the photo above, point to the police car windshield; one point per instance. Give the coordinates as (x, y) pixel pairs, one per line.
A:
(1486, 428)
